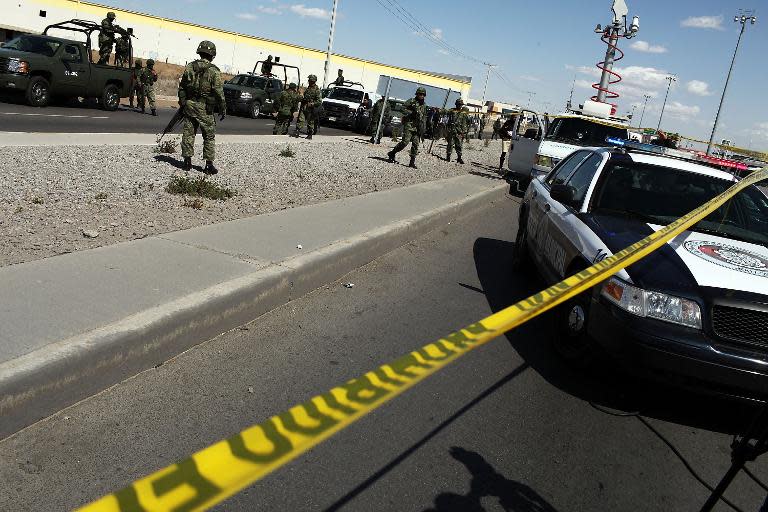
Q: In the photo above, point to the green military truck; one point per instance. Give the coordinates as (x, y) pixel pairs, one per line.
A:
(44, 67)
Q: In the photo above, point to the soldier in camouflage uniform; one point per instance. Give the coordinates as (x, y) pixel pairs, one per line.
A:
(373, 121)
(123, 49)
(414, 117)
(309, 104)
(106, 37)
(148, 79)
(136, 84)
(201, 93)
(340, 79)
(286, 105)
(457, 128)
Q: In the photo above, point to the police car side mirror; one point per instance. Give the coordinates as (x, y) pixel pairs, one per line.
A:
(562, 193)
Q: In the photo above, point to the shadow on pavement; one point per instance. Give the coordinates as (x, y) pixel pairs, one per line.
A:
(605, 383)
(360, 488)
(487, 482)
(177, 162)
(485, 175)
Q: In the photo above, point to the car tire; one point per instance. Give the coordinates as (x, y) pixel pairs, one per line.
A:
(571, 339)
(254, 110)
(110, 98)
(520, 255)
(38, 92)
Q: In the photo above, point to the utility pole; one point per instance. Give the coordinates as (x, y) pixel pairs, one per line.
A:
(570, 98)
(670, 79)
(330, 44)
(740, 18)
(611, 34)
(487, 76)
(647, 97)
(531, 94)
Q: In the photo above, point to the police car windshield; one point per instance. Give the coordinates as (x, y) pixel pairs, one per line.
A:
(33, 44)
(351, 95)
(663, 194)
(582, 132)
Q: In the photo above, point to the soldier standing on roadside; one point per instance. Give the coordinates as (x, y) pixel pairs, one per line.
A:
(148, 79)
(340, 78)
(201, 93)
(373, 121)
(310, 103)
(285, 105)
(136, 84)
(106, 37)
(496, 127)
(457, 128)
(414, 111)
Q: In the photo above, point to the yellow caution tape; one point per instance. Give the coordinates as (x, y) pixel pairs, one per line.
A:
(217, 472)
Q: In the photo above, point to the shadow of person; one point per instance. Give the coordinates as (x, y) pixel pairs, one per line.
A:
(487, 482)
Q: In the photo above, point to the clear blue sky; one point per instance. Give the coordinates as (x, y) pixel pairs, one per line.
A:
(540, 46)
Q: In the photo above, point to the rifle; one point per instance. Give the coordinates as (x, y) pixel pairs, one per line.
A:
(173, 123)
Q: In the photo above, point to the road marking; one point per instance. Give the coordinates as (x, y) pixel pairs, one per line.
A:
(52, 115)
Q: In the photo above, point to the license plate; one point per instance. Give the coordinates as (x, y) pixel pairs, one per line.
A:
(331, 118)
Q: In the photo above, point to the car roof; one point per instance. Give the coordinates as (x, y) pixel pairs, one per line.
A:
(675, 163)
(53, 38)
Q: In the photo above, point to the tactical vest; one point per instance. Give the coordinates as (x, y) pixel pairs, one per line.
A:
(199, 87)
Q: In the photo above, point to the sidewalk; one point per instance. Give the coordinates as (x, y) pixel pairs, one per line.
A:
(75, 324)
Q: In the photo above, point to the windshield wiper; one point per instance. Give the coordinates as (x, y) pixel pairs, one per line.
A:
(727, 234)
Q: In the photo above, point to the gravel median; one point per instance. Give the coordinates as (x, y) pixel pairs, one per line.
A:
(55, 200)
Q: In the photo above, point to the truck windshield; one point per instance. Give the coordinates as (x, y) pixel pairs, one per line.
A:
(583, 132)
(351, 95)
(255, 82)
(33, 44)
(661, 195)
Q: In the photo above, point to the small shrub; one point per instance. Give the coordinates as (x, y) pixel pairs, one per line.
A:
(37, 200)
(198, 187)
(18, 209)
(101, 196)
(195, 204)
(287, 152)
(167, 146)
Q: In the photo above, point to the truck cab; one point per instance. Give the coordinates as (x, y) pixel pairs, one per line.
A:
(252, 95)
(341, 103)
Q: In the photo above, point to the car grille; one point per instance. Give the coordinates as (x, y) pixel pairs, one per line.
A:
(738, 324)
(334, 109)
(231, 94)
(3, 64)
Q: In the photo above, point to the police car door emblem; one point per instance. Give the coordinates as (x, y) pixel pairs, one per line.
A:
(730, 257)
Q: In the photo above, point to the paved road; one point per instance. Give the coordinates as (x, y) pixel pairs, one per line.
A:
(15, 117)
(507, 427)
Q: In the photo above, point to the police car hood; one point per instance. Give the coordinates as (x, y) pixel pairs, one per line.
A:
(557, 150)
(688, 261)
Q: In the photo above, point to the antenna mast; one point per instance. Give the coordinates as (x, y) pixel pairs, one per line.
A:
(610, 36)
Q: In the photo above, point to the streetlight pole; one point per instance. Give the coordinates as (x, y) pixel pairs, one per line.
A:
(487, 76)
(670, 79)
(742, 18)
(330, 44)
(647, 97)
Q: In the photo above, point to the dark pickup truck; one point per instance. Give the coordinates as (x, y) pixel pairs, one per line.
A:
(45, 67)
(252, 95)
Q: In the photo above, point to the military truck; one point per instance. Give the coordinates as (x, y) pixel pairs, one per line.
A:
(252, 95)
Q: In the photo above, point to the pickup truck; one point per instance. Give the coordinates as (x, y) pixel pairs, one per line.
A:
(252, 95)
(43, 67)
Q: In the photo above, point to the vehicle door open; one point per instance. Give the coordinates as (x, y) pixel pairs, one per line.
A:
(525, 140)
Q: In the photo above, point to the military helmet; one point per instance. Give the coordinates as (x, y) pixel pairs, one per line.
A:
(207, 48)
(111, 15)
(292, 85)
(137, 64)
(312, 78)
(150, 63)
(421, 90)
(459, 102)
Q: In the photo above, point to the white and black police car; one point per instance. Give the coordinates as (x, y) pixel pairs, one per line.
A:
(694, 311)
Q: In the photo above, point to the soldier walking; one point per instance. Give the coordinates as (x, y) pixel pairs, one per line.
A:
(373, 121)
(457, 128)
(201, 93)
(286, 105)
(106, 37)
(148, 79)
(310, 103)
(123, 49)
(136, 84)
(413, 126)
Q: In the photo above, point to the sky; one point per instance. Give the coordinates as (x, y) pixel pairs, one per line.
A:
(542, 48)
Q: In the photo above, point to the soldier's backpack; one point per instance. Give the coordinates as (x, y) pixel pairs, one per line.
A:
(200, 86)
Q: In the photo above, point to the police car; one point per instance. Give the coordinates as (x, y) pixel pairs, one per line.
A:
(695, 310)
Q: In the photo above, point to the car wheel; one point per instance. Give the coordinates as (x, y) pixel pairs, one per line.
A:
(520, 256)
(39, 92)
(571, 340)
(110, 98)
(255, 110)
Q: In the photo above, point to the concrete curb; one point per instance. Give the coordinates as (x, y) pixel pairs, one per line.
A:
(43, 382)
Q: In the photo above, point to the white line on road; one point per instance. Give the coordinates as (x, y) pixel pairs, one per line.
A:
(52, 115)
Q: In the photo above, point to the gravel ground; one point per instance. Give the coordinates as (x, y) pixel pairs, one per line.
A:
(50, 196)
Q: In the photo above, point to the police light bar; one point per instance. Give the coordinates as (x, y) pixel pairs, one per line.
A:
(699, 158)
(631, 144)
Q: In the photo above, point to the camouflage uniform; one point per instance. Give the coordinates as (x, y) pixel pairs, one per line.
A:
(496, 127)
(286, 106)
(309, 105)
(201, 92)
(414, 118)
(106, 37)
(458, 126)
(148, 79)
(136, 85)
(373, 122)
(123, 50)
(339, 79)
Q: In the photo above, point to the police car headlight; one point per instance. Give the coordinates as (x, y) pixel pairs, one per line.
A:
(544, 161)
(650, 304)
(246, 95)
(18, 66)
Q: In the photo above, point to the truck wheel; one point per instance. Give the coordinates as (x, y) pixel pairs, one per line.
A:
(39, 92)
(255, 110)
(110, 98)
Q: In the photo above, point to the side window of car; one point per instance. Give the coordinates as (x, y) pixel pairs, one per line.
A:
(560, 173)
(237, 80)
(73, 53)
(581, 179)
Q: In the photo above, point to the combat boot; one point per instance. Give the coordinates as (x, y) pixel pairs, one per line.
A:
(209, 168)
(412, 163)
(501, 161)
(459, 160)
(391, 157)
(448, 157)
(309, 136)
(143, 111)
(187, 163)
(154, 112)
